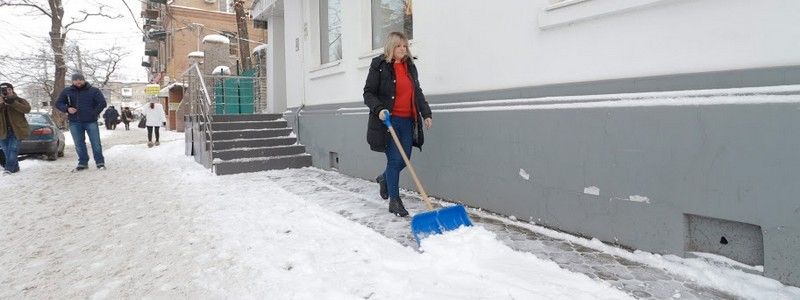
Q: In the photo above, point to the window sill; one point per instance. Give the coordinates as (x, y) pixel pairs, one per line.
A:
(365, 59)
(325, 70)
(563, 4)
(568, 12)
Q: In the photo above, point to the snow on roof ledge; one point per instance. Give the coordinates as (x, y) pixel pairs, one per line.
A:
(259, 48)
(197, 54)
(221, 70)
(216, 38)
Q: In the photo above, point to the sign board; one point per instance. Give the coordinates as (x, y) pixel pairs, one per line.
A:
(174, 106)
(127, 92)
(152, 89)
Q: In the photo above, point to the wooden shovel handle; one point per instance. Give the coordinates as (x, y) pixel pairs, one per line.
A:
(410, 166)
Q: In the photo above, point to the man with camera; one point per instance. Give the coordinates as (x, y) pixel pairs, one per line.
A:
(13, 126)
(83, 103)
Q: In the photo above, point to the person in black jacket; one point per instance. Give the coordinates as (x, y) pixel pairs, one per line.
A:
(111, 116)
(83, 103)
(127, 117)
(392, 86)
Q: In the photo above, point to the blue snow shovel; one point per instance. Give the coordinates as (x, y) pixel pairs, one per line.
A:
(433, 221)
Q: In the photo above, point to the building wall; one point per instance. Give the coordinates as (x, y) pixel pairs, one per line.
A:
(457, 43)
(656, 166)
(186, 37)
(113, 94)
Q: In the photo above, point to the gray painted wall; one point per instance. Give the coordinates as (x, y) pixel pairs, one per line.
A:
(729, 169)
(731, 162)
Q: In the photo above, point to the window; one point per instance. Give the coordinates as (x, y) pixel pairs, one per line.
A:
(225, 6)
(388, 16)
(330, 30)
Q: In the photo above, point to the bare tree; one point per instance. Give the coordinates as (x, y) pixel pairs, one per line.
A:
(244, 37)
(98, 65)
(54, 9)
(32, 69)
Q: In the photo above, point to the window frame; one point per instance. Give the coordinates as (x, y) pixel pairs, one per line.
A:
(317, 16)
(370, 30)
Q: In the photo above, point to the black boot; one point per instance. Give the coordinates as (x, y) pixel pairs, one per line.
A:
(382, 184)
(396, 207)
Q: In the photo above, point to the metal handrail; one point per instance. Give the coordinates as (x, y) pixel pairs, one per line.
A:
(205, 110)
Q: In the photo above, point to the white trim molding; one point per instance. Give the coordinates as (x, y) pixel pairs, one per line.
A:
(574, 11)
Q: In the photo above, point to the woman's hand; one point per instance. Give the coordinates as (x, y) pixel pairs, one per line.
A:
(428, 123)
(381, 115)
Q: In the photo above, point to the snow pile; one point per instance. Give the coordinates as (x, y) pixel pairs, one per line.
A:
(474, 252)
(216, 38)
(196, 54)
(221, 70)
(259, 48)
(739, 283)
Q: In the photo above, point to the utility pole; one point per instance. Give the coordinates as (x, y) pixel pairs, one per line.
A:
(244, 37)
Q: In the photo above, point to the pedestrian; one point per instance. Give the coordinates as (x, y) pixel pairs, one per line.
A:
(155, 118)
(127, 117)
(111, 116)
(392, 86)
(13, 126)
(83, 103)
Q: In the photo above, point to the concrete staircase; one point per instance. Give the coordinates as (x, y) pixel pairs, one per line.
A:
(253, 143)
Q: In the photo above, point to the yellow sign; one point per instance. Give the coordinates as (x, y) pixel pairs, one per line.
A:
(152, 89)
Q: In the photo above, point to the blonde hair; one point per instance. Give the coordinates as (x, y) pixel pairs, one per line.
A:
(394, 40)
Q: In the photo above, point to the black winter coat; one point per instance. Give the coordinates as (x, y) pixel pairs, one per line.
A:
(379, 92)
(89, 101)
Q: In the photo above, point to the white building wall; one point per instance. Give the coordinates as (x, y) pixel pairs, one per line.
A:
(475, 45)
(294, 20)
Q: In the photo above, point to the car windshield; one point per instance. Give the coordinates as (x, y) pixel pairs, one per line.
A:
(36, 119)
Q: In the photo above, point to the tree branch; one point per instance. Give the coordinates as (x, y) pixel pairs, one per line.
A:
(26, 3)
(86, 15)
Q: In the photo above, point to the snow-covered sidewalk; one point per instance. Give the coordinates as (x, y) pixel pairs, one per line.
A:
(157, 224)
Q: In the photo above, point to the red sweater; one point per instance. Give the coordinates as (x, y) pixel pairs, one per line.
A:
(404, 93)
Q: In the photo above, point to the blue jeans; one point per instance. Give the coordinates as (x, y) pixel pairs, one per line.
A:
(394, 162)
(79, 131)
(10, 146)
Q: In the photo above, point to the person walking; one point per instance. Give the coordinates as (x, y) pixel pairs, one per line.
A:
(83, 103)
(155, 118)
(126, 117)
(13, 126)
(392, 86)
(111, 116)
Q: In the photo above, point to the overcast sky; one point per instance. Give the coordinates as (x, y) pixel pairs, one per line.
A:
(23, 29)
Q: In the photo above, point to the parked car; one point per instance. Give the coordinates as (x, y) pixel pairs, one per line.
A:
(45, 139)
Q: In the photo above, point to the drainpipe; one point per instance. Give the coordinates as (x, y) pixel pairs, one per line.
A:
(302, 65)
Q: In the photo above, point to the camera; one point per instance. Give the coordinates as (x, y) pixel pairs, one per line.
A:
(4, 91)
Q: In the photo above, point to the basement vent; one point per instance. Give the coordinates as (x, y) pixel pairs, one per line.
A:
(334, 160)
(736, 240)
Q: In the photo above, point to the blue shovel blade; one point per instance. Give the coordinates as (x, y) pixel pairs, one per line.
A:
(438, 221)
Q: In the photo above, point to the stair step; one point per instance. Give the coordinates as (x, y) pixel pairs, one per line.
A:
(238, 153)
(253, 143)
(247, 165)
(242, 125)
(250, 134)
(240, 118)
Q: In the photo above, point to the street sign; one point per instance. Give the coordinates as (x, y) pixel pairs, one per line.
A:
(152, 89)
